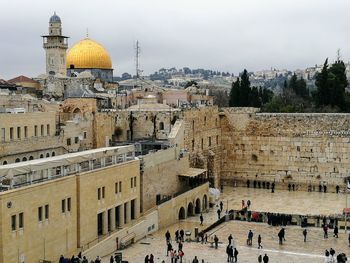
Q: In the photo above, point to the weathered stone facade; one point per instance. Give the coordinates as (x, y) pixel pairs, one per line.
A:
(301, 149)
(203, 140)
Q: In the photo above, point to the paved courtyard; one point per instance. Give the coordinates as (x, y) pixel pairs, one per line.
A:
(293, 250)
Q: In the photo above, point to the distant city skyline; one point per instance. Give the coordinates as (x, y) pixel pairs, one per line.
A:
(223, 35)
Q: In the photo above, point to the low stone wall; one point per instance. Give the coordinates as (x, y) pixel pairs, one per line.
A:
(140, 228)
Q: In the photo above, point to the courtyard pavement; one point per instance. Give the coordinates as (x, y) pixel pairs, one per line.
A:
(293, 250)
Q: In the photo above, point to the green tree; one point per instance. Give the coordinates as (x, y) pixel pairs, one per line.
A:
(244, 89)
(191, 83)
(322, 93)
(234, 94)
(254, 98)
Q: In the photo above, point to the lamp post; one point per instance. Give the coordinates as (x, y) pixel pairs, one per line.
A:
(346, 203)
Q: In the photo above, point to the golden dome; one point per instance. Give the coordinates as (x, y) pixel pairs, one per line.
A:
(88, 54)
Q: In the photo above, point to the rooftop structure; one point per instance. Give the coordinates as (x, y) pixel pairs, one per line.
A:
(26, 173)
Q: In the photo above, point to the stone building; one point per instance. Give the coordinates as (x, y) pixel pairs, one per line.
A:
(61, 204)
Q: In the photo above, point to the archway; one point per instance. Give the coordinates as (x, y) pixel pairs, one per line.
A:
(197, 209)
(24, 159)
(205, 202)
(182, 213)
(47, 155)
(4, 163)
(17, 160)
(190, 209)
(31, 158)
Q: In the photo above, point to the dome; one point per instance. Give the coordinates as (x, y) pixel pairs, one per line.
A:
(55, 18)
(88, 54)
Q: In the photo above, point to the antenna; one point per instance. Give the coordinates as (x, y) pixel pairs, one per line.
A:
(87, 32)
(338, 55)
(137, 59)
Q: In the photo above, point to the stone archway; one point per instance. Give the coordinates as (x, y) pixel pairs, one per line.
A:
(197, 208)
(190, 209)
(182, 213)
(205, 202)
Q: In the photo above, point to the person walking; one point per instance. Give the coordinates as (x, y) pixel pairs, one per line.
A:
(349, 239)
(266, 259)
(248, 203)
(260, 259)
(221, 205)
(147, 259)
(228, 253)
(235, 254)
(182, 234)
(169, 249)
(151, 258)
(250, 238)
(177, 235)
(325, 231)
(167, 236)
(201, 219)
(180, 246)
(259, 242)
(219, 212)
(195, 260)
(216, 241)
(305, 234)
(230, 239)
(335, 232)
(181, 254)
(280, 237)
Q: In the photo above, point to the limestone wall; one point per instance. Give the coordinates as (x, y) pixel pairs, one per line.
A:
(202, 140)
(161, 175)
(169, 212)
(287, 148)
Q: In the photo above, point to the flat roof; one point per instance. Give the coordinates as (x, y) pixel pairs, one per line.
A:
(10, 170)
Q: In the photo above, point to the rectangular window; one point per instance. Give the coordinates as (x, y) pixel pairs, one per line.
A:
(209, 141)
(202, 143)
(103, 192)
(25, 131)
(42, 130)
(18, 132)
(99, 194)
(217, 139)
(48, 129)
(11, 133)
(120, 187)
(3, 134)
(40, 213)
(68, 141)
(192, 145)
(85, 135)
(132, 182)
(47, 211)
(36, 130)
(13, 222)
(63, 206)
(116, 188)
(135, 181)
(76, 140)
(20, 220)
(68, 204)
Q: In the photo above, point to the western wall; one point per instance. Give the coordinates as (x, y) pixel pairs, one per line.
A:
(304, 149)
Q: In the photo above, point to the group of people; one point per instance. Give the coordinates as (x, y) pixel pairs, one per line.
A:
(174, 255)
(79, 259)
(149, 258)
(278, 219)
(331, 258)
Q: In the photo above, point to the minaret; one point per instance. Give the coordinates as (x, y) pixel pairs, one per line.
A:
(55, 46)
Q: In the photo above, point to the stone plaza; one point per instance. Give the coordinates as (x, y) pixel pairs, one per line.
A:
(294, 248)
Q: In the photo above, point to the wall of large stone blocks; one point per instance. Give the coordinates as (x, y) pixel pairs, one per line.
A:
(36, 240)
(161, 175)
(300, 149)
(203, 140)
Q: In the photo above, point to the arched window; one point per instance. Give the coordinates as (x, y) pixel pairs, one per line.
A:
(53, 154)
(31, 158)
(161, 126)
(47, 155)
(24, 159)
(4, 162)
(17, 160)
(41, 156)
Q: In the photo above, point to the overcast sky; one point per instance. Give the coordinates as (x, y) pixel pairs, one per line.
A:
(224, 35)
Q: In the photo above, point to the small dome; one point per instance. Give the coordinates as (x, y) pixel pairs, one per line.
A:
(55, 18)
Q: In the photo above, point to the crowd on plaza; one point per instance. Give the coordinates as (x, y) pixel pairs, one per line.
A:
(79, 259)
